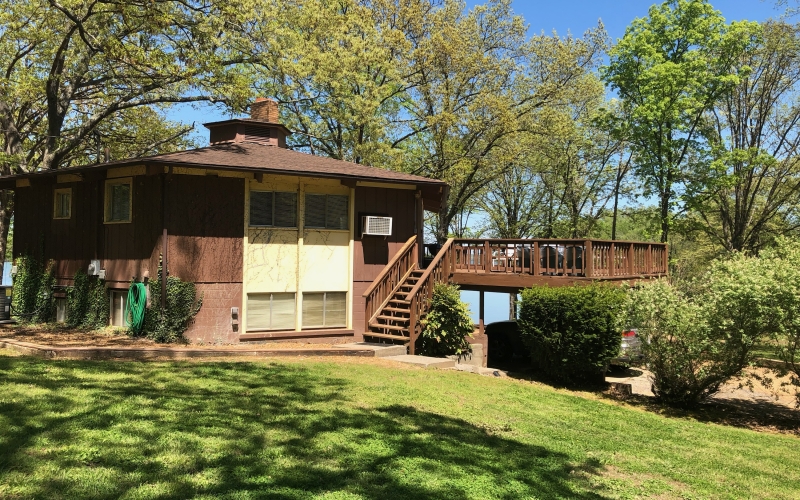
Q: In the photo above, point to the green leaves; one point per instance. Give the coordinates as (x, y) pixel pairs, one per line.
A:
(447, 325)
(669, 69)
(571, 331)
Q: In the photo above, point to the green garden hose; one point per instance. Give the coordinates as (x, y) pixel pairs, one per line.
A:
(134, 308)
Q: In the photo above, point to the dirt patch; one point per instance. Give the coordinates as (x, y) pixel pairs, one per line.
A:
(61, 336)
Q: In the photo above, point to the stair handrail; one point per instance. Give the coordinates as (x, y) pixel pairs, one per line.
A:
(417, 304)
(406, 254)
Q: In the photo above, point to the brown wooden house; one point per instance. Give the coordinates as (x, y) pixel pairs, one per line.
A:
(274, 239)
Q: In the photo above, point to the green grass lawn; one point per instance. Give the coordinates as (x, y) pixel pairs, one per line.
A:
(308, 429)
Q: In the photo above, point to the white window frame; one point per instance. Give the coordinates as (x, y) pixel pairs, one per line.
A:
(107, 200)
(56, 192)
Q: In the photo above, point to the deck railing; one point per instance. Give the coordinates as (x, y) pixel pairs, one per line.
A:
(395, 272)
(553, 257)
(438, 271)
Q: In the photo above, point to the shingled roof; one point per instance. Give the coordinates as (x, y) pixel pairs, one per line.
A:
(254, 157)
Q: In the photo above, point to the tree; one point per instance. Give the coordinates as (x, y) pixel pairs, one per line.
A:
(756, 142)
(76, 71)
(669, 69)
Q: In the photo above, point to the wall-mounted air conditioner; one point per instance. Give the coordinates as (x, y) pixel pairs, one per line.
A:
(372, 225)
(94, 268)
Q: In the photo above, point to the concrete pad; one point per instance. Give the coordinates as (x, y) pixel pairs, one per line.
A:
(474, 359)
(423, 361)
(380, 350)
(480, 370)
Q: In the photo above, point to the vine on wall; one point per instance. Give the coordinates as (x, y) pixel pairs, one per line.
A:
(32, 292)
(168, 324)
(87, 302)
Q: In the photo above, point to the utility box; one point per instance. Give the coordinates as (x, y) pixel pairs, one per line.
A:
(5, 303)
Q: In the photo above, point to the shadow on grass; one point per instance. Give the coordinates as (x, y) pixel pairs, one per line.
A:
(247, 430)
(747, 414)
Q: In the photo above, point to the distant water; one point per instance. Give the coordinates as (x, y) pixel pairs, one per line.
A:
(7, 274)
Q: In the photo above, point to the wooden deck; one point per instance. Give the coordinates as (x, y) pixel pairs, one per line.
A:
(398, 299)
(509, 265)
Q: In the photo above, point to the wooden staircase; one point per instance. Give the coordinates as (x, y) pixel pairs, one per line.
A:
(392, 321)
(398, 299)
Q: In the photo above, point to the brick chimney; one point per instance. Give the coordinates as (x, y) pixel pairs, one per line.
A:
(265, 110)
(263, 126)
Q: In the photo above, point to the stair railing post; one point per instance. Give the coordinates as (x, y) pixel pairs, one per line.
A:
(412, 325)
(487, 257)
(649, 260)
(588, 259)
(630, 260)
(535, 259)
(612, 260)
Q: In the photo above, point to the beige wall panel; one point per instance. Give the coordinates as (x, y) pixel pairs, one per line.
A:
(271, 260)
(325, 261)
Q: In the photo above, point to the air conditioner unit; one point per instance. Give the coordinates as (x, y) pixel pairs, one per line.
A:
(376, 226)
(94, 268)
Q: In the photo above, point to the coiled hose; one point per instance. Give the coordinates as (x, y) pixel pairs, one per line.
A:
(135, 307)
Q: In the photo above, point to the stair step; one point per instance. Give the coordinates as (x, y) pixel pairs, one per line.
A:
(393, 318)
(388, 327)
(406, 286)
(386, 336)
(396, 310)
(400, 301)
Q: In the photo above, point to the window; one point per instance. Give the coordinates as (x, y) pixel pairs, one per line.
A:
(118, 201)
(118, 300)
(270, 311)
(324, 310)
(62, 203)
(61, 310)
(273, 209)
(327, 211)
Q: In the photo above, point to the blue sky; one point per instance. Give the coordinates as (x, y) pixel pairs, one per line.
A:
(563, 16)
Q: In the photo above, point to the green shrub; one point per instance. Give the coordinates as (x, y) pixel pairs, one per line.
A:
(694, 341)
(168, 324)
(87, 302)
(447, 325)
(571, 331)
(32, 292)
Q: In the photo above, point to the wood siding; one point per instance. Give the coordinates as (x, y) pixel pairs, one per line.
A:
(372, 253)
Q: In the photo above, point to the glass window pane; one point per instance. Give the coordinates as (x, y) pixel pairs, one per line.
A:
(63, 204)
(313, 312)
(285, 209)
(260, 208)
(336, 216)
(283, 308)
(258, 311)
(315, 210)
(335, 309)
(120, 204)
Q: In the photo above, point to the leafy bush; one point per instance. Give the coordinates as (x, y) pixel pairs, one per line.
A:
(87, 302)
(447, 325)
(32, 291)
(698, 336)
(571, 331)
(168, 324)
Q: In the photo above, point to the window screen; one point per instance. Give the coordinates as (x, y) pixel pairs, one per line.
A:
(273, 209)
(119, 203)
(63, 203)
(327, 211)
(270, 311)
(118, 300)
(324, 310)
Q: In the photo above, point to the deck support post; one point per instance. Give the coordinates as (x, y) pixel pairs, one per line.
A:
(481, 325)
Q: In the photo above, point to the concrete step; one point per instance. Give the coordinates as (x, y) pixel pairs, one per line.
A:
(380, 350)
(423, 361)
